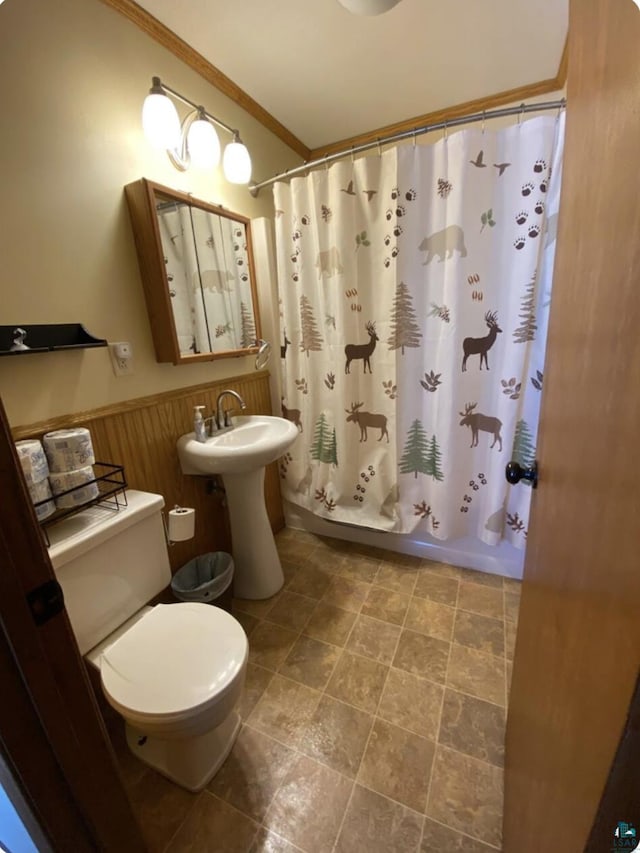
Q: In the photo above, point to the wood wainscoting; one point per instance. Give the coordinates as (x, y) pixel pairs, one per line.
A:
(141, 434)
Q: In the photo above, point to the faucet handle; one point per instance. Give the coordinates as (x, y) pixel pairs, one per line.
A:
(213, 425)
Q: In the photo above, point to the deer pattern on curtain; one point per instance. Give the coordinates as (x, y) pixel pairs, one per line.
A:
(414, 294)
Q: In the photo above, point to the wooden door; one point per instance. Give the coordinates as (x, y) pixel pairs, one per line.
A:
(578, 647)
(51, 732)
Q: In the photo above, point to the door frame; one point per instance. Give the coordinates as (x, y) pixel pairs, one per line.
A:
(620, 798)
(31, 762)
(51, 732)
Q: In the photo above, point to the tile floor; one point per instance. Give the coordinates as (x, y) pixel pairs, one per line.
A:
(374, 714)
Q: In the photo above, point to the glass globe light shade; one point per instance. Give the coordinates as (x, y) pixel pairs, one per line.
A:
(236, 163)
(160, 121)
(368, 7)
(203, 144)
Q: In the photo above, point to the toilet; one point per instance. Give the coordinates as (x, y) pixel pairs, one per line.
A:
(174, 672)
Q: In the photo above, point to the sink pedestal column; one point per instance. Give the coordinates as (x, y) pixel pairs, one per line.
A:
(258, 572)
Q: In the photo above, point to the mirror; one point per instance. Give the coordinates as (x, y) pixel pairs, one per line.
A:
(198, 274)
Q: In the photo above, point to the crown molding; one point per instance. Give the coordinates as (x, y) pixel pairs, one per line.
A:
(489, 102)
(173, 43)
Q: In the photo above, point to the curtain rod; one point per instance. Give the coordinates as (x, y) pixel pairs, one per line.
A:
(254, 189)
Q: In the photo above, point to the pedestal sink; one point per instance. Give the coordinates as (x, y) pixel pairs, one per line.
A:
(239, 456)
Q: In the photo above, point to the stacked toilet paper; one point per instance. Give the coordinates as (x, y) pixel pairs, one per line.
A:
(36, 471)
(68, 449)
(70, 456)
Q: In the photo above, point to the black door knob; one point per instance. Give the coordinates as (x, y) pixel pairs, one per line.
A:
(514, 472)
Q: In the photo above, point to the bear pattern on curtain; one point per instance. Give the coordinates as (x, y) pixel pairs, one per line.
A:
(414, 295)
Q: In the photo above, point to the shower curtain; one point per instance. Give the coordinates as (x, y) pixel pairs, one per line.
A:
(207, 269)
(414, 295)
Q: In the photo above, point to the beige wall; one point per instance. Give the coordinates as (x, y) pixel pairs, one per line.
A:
(73, 75)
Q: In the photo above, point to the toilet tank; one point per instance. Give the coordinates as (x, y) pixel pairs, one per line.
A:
(110, 564)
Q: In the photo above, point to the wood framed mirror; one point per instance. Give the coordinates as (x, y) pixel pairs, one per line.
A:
(197, 268)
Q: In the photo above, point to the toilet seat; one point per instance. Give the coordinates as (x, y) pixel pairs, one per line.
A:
(174, 662)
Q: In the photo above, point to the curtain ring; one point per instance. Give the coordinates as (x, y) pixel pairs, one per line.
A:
(414, 137)
(484, 115)
(379, 148)
(563, 104)
(520, 114)
(446, 130)
(326, 164)
(352, 156)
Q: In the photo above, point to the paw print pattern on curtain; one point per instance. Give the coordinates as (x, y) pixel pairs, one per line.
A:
(415, 289)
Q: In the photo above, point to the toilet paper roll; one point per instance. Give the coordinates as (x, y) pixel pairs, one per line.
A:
(32, 460)
(68, 449)
(182, 524)
(81, 481)
(40, 492)
(45, 510)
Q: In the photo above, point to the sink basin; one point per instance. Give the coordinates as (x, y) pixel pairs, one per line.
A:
(254, 441)
(239, 456)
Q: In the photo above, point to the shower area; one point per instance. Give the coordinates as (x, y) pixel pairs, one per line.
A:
(414, 292)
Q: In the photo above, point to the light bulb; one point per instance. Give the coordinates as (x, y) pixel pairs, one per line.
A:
(160, 120)
(236, 162)
(203, 143)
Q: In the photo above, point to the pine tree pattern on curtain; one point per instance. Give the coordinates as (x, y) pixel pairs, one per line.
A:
(414, 296)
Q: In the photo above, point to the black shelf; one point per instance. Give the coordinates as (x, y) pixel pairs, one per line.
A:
(46, 338)
(111, 494)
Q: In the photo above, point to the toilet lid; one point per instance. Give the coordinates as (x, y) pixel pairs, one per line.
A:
(175, 659)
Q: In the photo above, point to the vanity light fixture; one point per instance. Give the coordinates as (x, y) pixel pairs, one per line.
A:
(195, 141)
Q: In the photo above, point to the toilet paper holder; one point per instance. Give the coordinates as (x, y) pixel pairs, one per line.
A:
(179, 524)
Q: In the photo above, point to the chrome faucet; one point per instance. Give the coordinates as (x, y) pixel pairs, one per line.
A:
(222, 415)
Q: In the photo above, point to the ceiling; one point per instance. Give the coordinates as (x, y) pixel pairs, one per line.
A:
(328, 75)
